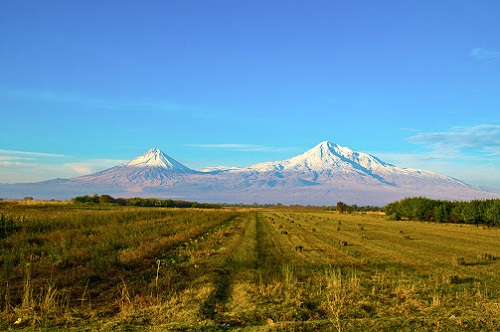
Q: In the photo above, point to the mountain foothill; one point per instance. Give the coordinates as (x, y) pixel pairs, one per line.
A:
(323, 175)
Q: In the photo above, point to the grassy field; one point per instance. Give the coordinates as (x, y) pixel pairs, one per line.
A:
(104, 267)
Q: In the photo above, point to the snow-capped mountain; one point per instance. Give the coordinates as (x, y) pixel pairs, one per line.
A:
(328, 162)
(329, 172)
(323, 175)
(324, 156)
(154, 168)
(156, 158)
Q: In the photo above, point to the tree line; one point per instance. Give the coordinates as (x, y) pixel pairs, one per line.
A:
(342, 207)
(143, 202)
(477, 211)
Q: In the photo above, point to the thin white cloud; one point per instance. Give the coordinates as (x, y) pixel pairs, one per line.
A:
(418, 160)
(242, 147)
(484, 54)
(466, 153)
(11, 163)
(17, 170)
(29, 153)
(11, 158)
(80, 168)
(472, 169)
(230, 146)
(483, 138)
(91, 166)
(50, 95)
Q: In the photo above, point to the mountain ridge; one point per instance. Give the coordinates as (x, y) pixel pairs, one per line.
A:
(322, 175)
(151, 168)
(156, 158)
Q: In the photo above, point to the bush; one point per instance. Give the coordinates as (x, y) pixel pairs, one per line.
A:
(103, 199)
(143, 202)
(486, 212)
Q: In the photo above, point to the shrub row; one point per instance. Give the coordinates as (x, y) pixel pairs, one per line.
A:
(143, 202)
(477, 211)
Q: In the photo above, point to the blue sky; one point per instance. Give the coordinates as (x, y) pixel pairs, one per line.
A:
(85, 85)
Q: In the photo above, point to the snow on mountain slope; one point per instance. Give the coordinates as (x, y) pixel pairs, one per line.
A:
(156, 158)
(324, 157)
(323, 175)
(326, 154)
(154, 168)
(328, 162)
(218, 169)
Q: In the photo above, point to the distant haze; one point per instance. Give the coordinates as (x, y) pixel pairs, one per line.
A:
(323, 175)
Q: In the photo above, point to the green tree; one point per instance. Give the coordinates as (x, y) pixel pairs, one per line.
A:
(103, 199)
(85, 199)
(341, 207)
(392, 210)
(473, 212)
(442, 211)
(492, 212)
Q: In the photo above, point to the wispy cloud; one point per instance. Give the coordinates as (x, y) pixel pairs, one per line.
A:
(91, 166)
(242, 147)
(10, 163)
(26, 169)
(473, 169)
(50, 95)
(483, 138)
(467, 153)
(11, 158)
(30, 153)
(484, 54)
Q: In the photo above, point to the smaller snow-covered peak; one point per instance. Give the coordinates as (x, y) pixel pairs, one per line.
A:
(156, 158)
(155, 151)
(153, 157)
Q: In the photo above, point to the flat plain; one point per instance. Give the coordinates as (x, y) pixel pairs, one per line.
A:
(106, 267)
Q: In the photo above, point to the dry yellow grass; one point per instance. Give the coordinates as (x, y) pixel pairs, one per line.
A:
(122, 268)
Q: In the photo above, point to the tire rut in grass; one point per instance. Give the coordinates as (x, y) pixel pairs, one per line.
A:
(226, 276)
(216, 302)
(270, 254)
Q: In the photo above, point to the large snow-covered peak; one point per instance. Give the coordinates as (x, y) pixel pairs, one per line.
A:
(156, 158)
(325, 156)
(320, 155)
(325, 152)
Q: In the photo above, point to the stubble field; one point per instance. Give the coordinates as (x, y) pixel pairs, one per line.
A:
(105, 267)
